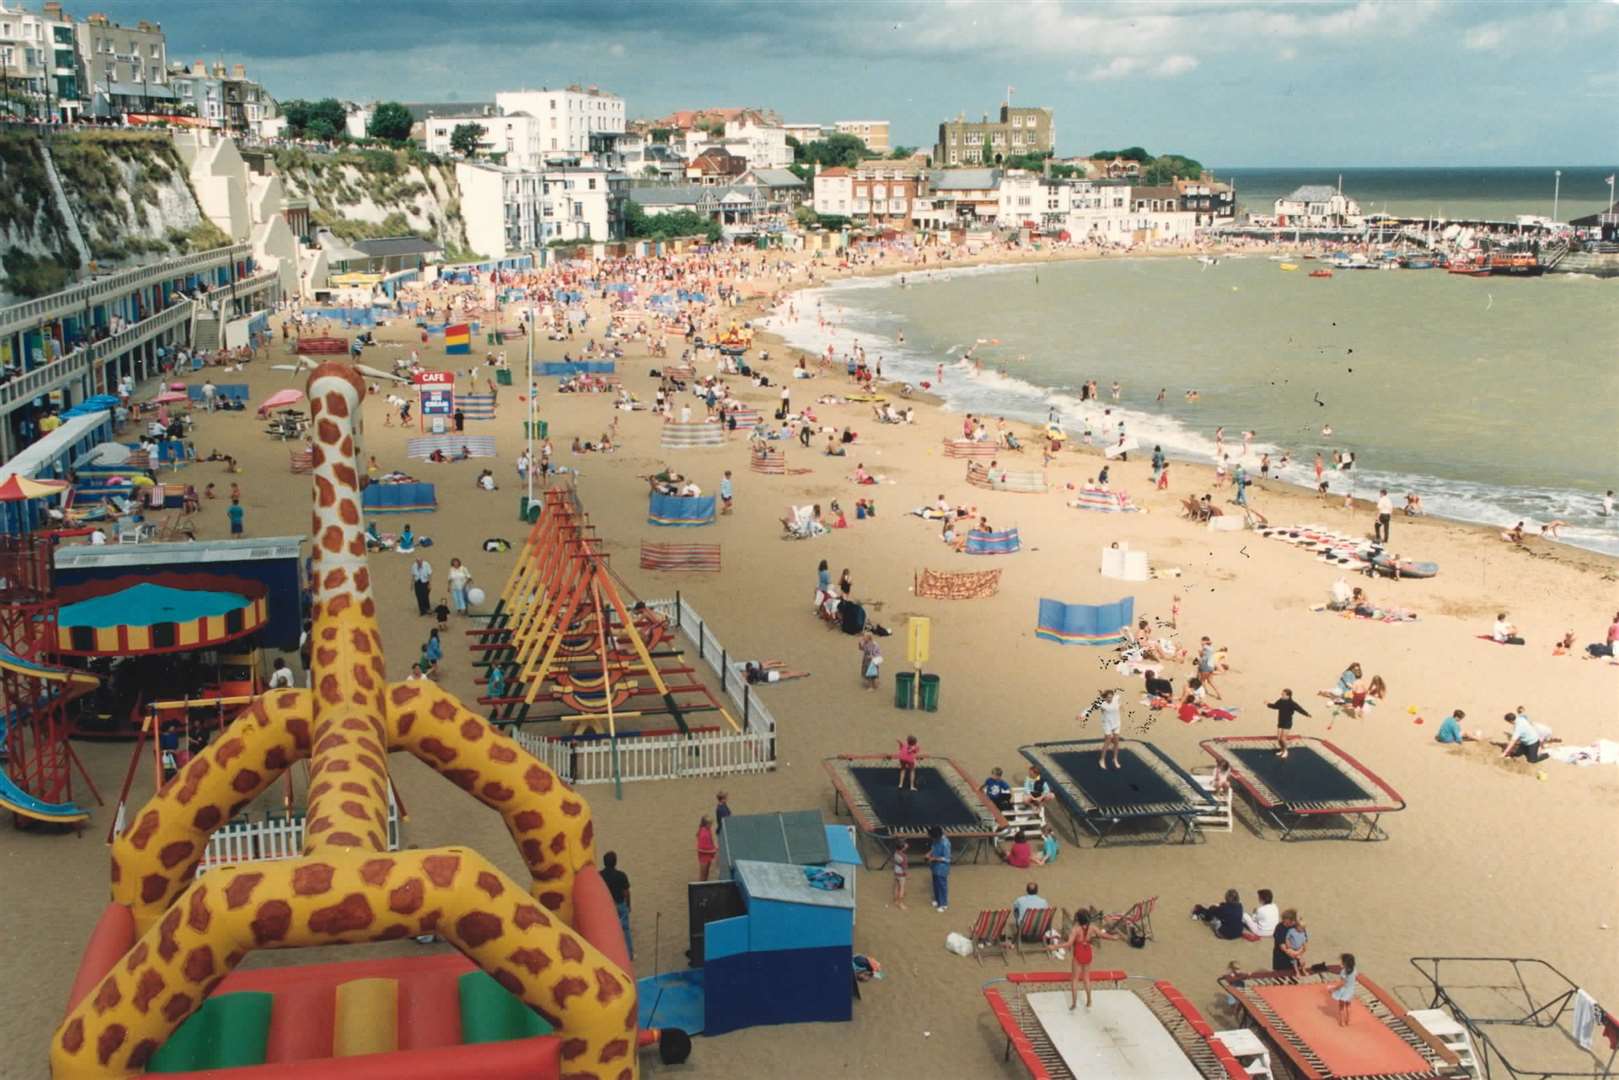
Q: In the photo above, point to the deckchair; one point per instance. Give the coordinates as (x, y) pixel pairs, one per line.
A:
(1138, 916)
(989, 932)
(1033, 927)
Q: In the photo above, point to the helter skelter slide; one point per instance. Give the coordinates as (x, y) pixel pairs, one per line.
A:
(167, 941)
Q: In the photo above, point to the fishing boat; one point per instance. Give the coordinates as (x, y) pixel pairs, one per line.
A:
(1417, 263)
(1290, 266)
(1515, 264)
(1469, 266)
(1320, 273)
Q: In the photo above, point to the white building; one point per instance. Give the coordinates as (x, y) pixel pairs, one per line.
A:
(39, 59)
(1030, 199)
(569, 118)
(1318, 206)
(584, 204)
(834, 192)
(514, 139)
(502, 206)
(357, 122)
(763, 145)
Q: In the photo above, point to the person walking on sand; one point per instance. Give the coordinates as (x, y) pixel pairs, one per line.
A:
(726, 492)
(235, 513)
(1385, 515)
(939, 866)
(618, 887)
(909, 751)
(1286, 708)
(1342, 989)
(902, 871)
(871, 659)
(1081, 945)
(459, 577)
(706, 848)
(421, 580)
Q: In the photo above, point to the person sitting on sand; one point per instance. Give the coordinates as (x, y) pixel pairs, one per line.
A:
(1514, 535)
(1526, 739)
(833, 449)
(1015, 853)
(956, 541)
(1224, 918)
(1565, 646)
(1504, 633)
(861, 476)
(769, 671)
(1450, 730)
(1608, 648)
(437, 455)
(1413, 504)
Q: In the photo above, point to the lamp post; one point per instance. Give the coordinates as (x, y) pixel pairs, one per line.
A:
(528, 381)
(1557, 192)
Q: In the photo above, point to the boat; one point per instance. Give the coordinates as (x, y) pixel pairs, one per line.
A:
(1413, 263)
(1320, 273)
(1208, 260)
(1290, 266)
(1469, 265)
(1515, 264)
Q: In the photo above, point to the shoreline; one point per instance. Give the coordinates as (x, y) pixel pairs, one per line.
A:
(1180, 457)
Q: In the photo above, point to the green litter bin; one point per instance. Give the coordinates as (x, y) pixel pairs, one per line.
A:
(904, 689)
(503, 376)
(542, 429)
(928, 693)
(526, 511)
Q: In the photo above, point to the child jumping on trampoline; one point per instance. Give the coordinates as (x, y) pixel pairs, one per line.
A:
(909, 751)
(1081, 951)
(1343, 988)
(1107, 703)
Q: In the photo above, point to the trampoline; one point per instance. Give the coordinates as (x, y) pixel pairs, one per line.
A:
(1317, 793)
(1380, 1042)
(1146, 1031)
(1147, 788)
(945, 797)
(151, 618)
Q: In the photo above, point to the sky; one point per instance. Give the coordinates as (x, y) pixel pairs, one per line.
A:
(1229, 82)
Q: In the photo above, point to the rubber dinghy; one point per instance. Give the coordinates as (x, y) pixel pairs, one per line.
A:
(1385, 565)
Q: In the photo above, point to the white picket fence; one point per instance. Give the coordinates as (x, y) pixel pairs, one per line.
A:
(271, 838)
(673, 755)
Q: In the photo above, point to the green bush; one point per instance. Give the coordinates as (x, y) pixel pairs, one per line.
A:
(30, 276)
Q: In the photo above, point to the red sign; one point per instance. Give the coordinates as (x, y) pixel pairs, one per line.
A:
(435, 378)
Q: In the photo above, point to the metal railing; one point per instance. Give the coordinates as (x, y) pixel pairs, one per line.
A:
(30, 313)
(43, 380)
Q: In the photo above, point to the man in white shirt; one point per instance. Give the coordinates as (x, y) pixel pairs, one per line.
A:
(1029, 901)
(421, 578)
(1504, 632)
(1385, 514)
(1263, 920)
(98, 537)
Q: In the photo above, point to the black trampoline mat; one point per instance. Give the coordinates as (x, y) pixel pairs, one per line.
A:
(1133, 785)
(1305, 777)
(934, 802)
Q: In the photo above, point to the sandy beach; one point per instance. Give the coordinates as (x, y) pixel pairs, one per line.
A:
(1490, 857)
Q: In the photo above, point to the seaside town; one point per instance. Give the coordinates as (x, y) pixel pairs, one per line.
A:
(756, 508)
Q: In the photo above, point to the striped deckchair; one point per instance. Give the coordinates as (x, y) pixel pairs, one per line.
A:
(687, 436)
(1001, 542)
(477, 406)
(421, 448)
(769, 460)
(303, 461)
(966, 448)
(1028, 483)
(966, 585)
(697, 558)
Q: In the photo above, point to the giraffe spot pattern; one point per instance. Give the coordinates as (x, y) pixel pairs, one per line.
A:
(528, 820)
(312, 879)
(570, 948)
(345, 839)
(142, 1054)
(144, 828)
(73, 1036)
(494, 791)
(137, 957)
(375, 871)
(271, 922)
(153, 888)
(246, 782)
(197, 914)
(613, 1051)
(441, 869)
(109, 1042)
(174, 854)
(240, 889)
(504, 755)
(407, 898)
(477, 928)
(567, 987)
(177, 1008)
(572, 1048)
(609, 987)
(531, 959)
(108, 996)
(199, 964)
(490, 884)
(351, 913)
(528, 915)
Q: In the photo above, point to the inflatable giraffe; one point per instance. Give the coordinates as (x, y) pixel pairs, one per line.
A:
(347, 887)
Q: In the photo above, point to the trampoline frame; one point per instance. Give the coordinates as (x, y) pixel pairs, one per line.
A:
(1082, 810)
(1303, 1061)
(1008, 1000)
(888, 839)
(1361, 822)
(1544, 1016)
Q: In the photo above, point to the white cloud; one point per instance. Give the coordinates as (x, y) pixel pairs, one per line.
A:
(1178, 64)
(1485, 36)
(1288, 53)
(616, 49)
(1124, 66)
(1117, 68)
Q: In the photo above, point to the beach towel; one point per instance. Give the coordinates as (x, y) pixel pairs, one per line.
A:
(966, 448)
(1110, 502)
(422, 447)
(398, 499)
(1003, 542)
(689, 436)
(1027, 483)
(673, 510)
(1084, 624)
(965, 585)
(477, 406)
(697, 558)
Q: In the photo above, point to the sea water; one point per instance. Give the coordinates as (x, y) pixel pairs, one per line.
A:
(1491, 194)
(1496, 400)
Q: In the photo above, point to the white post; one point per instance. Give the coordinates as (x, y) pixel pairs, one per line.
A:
(528, 381)
(1557, 191)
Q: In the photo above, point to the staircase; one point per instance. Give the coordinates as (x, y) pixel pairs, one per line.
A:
(1219, 818)
(205, 331)
(1552, 254)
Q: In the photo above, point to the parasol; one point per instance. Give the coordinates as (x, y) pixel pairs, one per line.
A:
(20, 488)
(279, 399)
(169, 397)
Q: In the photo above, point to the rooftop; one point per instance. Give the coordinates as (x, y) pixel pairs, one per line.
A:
(965, 179)
(1313, 193)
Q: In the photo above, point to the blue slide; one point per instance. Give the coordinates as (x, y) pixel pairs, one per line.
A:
(18, 801)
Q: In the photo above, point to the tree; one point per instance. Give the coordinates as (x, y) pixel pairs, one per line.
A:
(900, 153)
(391, 121)
(988, 152)
(323, 119)
(835, 150)
(1165, 167)
(320, 128)
(638, 224)
(464, 139)
(1129, 153)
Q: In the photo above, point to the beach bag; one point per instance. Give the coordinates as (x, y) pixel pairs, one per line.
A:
(958, 944)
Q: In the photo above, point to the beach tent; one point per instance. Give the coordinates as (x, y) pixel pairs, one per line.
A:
(1002, 542)
(1084, 624)
(675, 510)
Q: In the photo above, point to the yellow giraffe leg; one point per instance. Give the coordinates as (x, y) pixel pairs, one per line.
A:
(352, 896)
(154, 858)
(548, 821)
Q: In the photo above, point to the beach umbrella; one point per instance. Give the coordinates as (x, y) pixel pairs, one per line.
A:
(280, 399)
(170, 397)
(21, 488)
